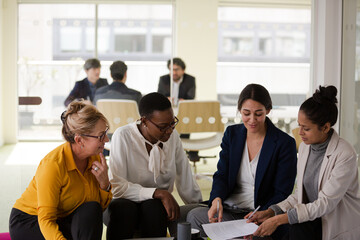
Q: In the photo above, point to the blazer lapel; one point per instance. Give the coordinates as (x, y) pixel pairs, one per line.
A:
(329, 150)
(302, 160)
(267, 150)
(237, 150)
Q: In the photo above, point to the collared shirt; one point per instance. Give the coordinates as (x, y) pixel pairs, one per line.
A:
(131, 177)
(58, 188)
(243, 194)
(92, 90)
(175, 90)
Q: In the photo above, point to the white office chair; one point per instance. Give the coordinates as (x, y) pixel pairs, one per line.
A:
(200, 117)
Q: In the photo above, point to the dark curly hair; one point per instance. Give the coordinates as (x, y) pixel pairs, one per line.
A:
(153, 102)
(321, 107)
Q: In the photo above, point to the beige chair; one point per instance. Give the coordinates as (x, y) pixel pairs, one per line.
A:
(200, 117)
(297, 137)
(118, 113)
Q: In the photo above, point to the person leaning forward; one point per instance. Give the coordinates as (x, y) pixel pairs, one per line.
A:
(71, 188)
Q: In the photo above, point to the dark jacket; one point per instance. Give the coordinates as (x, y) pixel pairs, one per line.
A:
(276, 169)
(186, 90)
(82, 90)
(117, 90)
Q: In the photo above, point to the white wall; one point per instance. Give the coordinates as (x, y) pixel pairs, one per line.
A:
(196, 42)
(8, 74)
(1, 71)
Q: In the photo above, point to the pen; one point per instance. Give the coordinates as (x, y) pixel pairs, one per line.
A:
(217, 209)
(254, 212)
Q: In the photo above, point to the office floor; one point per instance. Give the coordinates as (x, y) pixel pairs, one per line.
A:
(18, 163)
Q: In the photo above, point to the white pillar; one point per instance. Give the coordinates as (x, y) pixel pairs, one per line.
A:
(196, 43)
(8, 53)
(348, 118)
(326, 45)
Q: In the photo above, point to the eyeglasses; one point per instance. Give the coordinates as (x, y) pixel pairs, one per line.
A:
(101, 137)
(164, 129)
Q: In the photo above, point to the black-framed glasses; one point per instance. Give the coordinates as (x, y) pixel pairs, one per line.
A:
(164, 129)
(101, 137)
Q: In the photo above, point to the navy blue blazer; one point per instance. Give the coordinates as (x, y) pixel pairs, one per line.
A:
(117, 90)
(275, 172)
(186, 89)
(82, 90)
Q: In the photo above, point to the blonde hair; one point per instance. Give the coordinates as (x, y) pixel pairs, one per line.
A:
(80, 118)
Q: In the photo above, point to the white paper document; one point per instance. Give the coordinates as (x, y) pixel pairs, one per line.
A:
(229, 229)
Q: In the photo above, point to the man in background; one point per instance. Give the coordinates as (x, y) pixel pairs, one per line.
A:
(183, 88)
(183, 83)
(117, 89)
(86, 88)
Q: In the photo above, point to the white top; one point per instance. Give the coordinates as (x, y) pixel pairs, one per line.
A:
(243, 194)
(175, 90)
(129, 168)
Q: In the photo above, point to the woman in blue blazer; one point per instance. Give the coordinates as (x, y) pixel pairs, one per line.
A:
(257, 165)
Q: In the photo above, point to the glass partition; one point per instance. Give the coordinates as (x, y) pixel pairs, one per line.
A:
(54, 43)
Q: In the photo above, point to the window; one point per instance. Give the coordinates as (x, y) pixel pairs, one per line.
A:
(268, 46)
(55, 42)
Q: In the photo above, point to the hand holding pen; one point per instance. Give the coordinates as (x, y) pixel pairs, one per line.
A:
(259, 216)
(216, 211)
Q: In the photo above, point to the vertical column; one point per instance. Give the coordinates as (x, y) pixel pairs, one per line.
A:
(196, 43)
(348, 118)
(326, 44)
(8, 76)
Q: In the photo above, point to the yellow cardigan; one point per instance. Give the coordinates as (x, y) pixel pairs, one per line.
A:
(58, 188)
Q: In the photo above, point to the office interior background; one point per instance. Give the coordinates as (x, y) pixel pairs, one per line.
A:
(289, 46)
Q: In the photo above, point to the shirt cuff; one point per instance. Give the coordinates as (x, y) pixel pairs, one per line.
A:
(146, 193)
(277, 210)
(292, 216)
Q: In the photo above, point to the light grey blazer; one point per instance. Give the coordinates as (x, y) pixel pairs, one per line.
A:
(338, 202)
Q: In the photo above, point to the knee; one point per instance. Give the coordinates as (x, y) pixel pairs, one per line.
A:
(121, 207)
(90, 212)
(197, 216)
(153, 206)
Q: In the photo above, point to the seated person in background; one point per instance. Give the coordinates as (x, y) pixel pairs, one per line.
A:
(183, 85)
(183, 88)
(71, 188)
(326, 202)
(85, 89)
(117, 89)
(146, 159)
(257, 165)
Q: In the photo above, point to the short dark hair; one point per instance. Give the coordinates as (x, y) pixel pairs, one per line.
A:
(257, 93)
(153, 102)
(177, 61)
(321, 107)
(92, 63)
(118, 70)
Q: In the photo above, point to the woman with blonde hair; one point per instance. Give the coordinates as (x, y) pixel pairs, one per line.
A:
(71, 187)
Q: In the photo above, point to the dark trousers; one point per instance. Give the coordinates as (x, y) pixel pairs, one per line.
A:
(84, 223)
(124, 217)
(311, 230)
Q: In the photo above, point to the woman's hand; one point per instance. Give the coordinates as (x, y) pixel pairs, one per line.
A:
(214, 211)
(269, 226)
(260, 216)
(100, 171)
(169, 202)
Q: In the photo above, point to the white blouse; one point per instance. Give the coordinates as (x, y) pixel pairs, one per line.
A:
(130, 175)
(243, 194)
